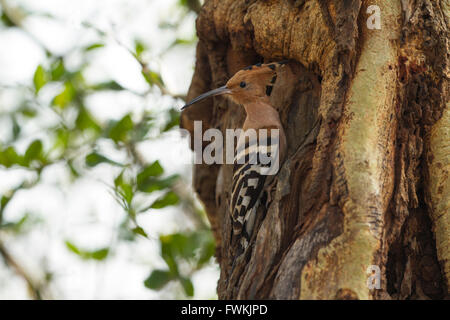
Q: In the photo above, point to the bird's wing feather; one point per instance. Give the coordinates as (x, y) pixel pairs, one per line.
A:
(248, 186)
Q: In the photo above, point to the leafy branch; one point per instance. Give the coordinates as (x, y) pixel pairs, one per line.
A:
(78, 135)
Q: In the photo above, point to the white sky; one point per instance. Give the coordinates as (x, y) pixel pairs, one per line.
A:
(85, 212)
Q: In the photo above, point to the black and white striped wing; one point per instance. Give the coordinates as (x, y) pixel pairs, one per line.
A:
(248, 186)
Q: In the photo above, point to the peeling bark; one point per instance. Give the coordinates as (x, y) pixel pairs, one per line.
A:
(368, 128)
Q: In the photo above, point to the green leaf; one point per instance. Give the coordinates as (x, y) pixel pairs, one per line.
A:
(154, 184)
(183, 3)
(187, 286)
(144, 178)
(152, 77)
(139, 48)
(34, 151)
(28, 112)
(169, 199)
(62, 139)
(39, 79)
(120, 130)
(6, 20)
(65, 97)
(99, 254)
(72, 248)
(127, 193)
(125, 190)
(168, 254)
(110, 85)
(140, 231)
(85, 121)
(9, 157)
(57, 69)
(197, 246)
(158, 279)
(148, 180)
(153, 170)
(16, 129)
(73, 171)
(4, 202)
(94, 46)
(181, 245)
(119, 180)
(95, 158)
(184, 41)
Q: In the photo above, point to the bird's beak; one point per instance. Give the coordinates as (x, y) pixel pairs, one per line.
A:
(212, 93)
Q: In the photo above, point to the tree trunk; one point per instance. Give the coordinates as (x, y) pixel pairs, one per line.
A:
(366, 113)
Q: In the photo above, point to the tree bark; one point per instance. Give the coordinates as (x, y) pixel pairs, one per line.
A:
(366, 180)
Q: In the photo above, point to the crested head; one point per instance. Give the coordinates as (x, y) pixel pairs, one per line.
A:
(251, 84)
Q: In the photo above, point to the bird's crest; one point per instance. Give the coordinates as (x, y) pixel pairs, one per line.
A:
(264, 75)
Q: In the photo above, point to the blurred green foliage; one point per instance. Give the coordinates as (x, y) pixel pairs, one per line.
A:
(194, 249)
(78, 135)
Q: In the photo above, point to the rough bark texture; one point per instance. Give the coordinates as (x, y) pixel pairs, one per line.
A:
(366, 181)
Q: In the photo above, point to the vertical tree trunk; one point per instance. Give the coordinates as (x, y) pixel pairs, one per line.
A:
(366, 182)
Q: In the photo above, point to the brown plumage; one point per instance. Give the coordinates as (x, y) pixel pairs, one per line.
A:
(251, 88)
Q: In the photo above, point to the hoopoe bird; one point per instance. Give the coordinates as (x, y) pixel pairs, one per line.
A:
(251, 88)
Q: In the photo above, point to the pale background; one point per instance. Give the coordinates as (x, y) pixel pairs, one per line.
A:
(85, 211)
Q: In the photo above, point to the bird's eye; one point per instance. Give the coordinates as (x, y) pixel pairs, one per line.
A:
(243, 84)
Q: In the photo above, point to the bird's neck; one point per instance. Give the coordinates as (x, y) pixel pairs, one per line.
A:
(261, 115)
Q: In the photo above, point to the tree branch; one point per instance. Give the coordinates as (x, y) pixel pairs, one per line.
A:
(34, 289)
